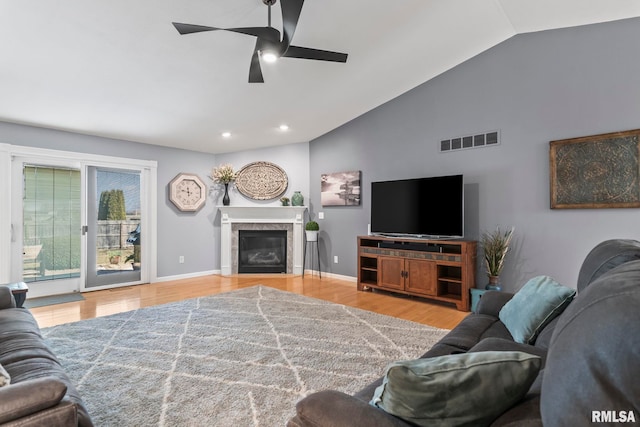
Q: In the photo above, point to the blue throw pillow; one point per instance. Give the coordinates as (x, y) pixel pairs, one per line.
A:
(539, 301)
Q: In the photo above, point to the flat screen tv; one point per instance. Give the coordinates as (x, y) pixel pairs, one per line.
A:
(422, 207)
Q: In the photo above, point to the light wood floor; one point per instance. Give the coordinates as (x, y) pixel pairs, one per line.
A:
(103, 303)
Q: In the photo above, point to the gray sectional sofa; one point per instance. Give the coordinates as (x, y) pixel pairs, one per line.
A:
(39, 393)
(590, 354)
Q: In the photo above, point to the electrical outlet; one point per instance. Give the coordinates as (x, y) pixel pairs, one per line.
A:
(320, 215)
(181, 259)
(335, 259)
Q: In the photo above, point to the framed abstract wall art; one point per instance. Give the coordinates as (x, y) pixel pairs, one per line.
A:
(600, 171)
(340, 188)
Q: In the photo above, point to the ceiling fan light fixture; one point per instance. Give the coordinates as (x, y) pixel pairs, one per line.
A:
(271, 43)
(268, 56)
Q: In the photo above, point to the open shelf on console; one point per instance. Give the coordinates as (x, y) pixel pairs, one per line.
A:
(369, 263)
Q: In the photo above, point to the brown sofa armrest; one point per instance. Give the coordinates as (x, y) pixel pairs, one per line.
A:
(492, 302)
(336, 409)
(6, 298)
(28, 397)
(64, 414)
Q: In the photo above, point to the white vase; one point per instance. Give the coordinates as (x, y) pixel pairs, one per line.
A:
(312, 235)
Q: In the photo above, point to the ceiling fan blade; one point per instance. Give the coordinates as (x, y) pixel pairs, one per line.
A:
(317, 54)
(290, 15)
(190, 28)
(255, 70)
(267, 33)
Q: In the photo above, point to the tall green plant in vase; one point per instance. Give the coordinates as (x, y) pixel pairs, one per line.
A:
(495, 246)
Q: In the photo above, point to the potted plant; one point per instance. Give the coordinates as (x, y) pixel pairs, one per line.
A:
(224, 174)
(495, 246)
(311, 229)
(114, 257)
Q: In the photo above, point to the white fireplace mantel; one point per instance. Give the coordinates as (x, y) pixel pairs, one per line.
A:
(260, 215)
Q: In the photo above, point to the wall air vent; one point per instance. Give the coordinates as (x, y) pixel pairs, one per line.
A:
(479, 140)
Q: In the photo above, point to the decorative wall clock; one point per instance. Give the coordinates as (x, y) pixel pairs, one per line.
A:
(261, 181)
(188, 192)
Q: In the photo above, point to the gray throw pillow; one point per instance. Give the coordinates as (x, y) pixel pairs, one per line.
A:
(5, 378)
(470, 389)
(536, 304)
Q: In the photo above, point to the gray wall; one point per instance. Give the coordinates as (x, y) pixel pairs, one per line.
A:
(194, 236)
(535, 88)
(187, 234)
(292, 158)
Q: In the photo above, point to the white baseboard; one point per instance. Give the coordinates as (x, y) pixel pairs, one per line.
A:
(185, 276)
(332, 275)
(210, 272)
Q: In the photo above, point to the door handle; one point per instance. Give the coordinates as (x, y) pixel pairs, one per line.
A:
(85, 229)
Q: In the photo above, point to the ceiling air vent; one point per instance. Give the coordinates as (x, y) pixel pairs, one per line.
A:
(470, 141)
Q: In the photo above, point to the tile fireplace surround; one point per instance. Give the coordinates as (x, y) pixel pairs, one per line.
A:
(234, 218)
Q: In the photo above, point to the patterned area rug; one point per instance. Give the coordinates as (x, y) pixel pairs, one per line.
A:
(242, 358)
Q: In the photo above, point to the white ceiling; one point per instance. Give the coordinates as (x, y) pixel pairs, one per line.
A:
(119, 69)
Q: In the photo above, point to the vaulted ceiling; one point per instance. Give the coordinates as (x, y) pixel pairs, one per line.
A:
(119, 68)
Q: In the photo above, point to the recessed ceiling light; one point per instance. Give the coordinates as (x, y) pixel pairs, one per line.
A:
(226, 134)
(284, 127)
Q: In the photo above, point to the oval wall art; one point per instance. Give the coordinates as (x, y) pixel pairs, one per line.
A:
(261, 181)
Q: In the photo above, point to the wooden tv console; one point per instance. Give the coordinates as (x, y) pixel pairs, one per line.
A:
(442, 270)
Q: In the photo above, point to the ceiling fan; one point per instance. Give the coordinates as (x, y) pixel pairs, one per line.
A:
(269, 45)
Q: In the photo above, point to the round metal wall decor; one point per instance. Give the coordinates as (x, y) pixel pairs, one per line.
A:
(261, 181)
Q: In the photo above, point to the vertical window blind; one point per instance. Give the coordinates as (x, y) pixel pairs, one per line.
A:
(51, 219)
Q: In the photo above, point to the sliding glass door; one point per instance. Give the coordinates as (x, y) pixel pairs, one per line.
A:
(51, 241)
(114, 226)
(51, 218)
(80, 224)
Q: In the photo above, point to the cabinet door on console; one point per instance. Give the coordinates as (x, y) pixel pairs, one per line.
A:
(391, 272)
(422, 278)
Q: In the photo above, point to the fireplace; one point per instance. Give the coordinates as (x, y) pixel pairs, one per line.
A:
(262, 251)
(233, 219)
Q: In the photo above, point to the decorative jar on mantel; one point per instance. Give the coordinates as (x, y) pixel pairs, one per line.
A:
(297, 199)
